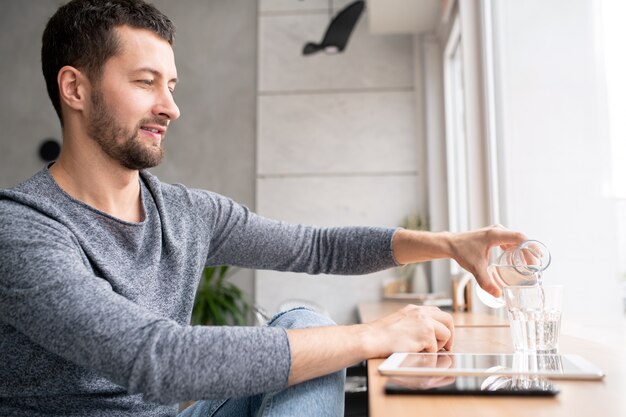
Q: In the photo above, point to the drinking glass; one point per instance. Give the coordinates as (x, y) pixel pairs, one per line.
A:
(535, 317)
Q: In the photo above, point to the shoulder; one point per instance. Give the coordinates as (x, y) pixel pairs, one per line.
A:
(180, 199)
(24, 198)
(179, 194)
(31, 208)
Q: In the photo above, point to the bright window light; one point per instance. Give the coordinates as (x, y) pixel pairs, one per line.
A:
(614, 33)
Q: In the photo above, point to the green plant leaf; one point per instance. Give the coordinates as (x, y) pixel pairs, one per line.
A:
(222, 275)
(216, 315)
(219, 302)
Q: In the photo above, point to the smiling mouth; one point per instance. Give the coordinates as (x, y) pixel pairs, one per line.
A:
(155, 133)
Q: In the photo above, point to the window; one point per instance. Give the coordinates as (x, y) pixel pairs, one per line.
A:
(612, 37)
(456, 140)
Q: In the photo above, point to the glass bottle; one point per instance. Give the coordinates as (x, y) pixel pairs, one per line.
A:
(520, 266)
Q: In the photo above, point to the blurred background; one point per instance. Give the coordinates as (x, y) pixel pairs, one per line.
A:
(463, 113)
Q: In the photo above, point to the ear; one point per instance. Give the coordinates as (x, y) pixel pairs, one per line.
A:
(72, 87)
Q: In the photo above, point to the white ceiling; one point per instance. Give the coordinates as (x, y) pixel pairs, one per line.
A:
(403, 16)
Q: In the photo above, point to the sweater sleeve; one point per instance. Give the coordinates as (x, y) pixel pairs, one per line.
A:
(243, 238)
(48, 295)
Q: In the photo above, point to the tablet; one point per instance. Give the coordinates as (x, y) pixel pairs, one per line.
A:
(493, 385)
(551, 366)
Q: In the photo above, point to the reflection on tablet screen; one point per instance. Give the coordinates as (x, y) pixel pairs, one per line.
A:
(491, 385)
(518, 362)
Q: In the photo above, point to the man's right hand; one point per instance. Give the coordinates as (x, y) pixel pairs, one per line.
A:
(319, 351)
(412, 329)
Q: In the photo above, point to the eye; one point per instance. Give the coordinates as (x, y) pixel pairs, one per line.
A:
(146, 82)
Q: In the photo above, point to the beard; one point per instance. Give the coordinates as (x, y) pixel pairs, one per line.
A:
(121, 144)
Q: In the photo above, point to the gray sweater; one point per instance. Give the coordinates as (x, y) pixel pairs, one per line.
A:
(94, 311)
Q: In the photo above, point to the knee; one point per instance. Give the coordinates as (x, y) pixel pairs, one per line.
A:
(300, 318)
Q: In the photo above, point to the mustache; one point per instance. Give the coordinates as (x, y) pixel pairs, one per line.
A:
(156, 121)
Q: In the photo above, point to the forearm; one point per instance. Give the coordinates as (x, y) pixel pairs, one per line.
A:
(410, 246)
(245, 239)
(322, 350)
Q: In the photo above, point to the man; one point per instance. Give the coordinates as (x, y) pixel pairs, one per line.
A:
(100, 260)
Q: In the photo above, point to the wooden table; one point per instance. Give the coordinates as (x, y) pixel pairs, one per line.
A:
(487, 334)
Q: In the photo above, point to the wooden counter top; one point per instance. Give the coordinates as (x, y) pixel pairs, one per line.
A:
(606, 398)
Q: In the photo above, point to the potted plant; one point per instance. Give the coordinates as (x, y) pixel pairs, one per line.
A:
(219, 302)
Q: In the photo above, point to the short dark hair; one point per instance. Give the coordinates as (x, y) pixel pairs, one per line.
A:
(81, 34)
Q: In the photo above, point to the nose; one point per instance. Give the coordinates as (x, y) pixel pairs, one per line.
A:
(166, 106)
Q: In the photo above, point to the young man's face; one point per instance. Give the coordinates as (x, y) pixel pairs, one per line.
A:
(132, 103)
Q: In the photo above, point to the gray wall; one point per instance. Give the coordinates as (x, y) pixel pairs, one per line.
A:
(26, 115)
(212, 146)
(337, 142)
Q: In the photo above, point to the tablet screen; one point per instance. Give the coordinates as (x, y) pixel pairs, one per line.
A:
(472, 385)
(443, 363)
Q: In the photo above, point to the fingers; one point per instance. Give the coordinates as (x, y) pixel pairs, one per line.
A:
(443, 317)
(430, 344)
(443, 335)
(475, 258)
(490, 281)
(412, 329)
(505, 238)
(439, 328)
(489, 285)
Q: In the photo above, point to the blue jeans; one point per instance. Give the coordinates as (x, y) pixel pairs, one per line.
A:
(322, 396)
